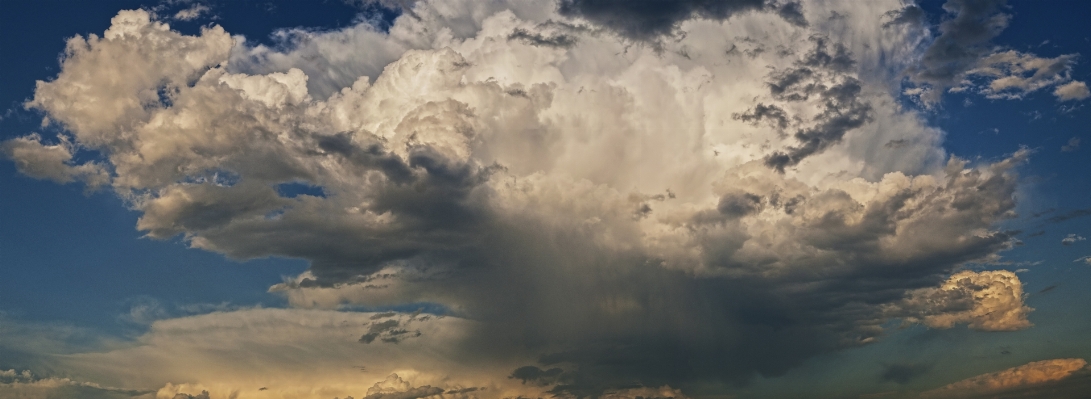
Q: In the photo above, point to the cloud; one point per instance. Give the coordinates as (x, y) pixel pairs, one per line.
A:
(1085, 259)
(987, 301)
(1072, 145)
(963, 40)
(295, 353)
(904, 373)
(52, 162)
(1073, 90)
(647, 19)
(24, 384)
(193, 12)
(1078, 213)
(1072, 239)
(962, 59)
(1012, 75)
(675, 216)
(1030, 374)
(908, 15)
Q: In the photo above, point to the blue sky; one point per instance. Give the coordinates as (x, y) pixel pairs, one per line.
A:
(544, 198)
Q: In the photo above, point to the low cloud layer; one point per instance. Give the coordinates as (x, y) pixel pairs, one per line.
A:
(590, 212)
(1030, 375)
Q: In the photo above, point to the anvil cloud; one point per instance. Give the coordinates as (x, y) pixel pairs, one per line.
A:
(603, 204)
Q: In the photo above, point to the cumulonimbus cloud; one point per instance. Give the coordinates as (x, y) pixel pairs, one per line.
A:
(708, 208)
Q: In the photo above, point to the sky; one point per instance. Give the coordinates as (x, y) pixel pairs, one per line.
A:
(459, 199)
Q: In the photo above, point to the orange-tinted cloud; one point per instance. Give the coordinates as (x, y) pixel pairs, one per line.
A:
(1033, 373)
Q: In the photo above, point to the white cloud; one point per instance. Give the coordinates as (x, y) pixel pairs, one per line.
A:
(1013, 75)
(193, 12)
(1074, 90)
(1072, 239)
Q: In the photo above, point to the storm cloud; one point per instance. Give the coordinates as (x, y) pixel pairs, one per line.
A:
(592, 219)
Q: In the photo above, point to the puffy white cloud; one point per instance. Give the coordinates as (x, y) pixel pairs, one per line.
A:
(1033, 373)
(1074, 90)
(582, 198)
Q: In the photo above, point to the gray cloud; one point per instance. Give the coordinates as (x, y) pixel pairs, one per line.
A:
(648, 19)
(962, 58)
(24, 384)
(771, 114)
(1072, 145)
(538, 39)
(820, 74)
(908, 15)
(963, 40)
(1078, 213)
(904, 373)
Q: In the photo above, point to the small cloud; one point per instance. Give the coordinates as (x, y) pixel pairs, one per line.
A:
(899, 143)
(191, 13)
(1072, 239)
(1074, 90)
(1085, 259)
(1073, 145)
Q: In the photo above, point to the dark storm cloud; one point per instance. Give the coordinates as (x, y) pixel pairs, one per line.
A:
(537, 376)
(963, 40)
(909, 15)
(842, 112)
(793, 13)
(414, 393)
(772, 114)
(369, 156)
(389, 331)
(645, 20)
(898, 143)
(753, 277)
(904, 373)
(538, 39)
(822, 73)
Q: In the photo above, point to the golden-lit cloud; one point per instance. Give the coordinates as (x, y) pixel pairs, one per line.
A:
(1033, 373)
